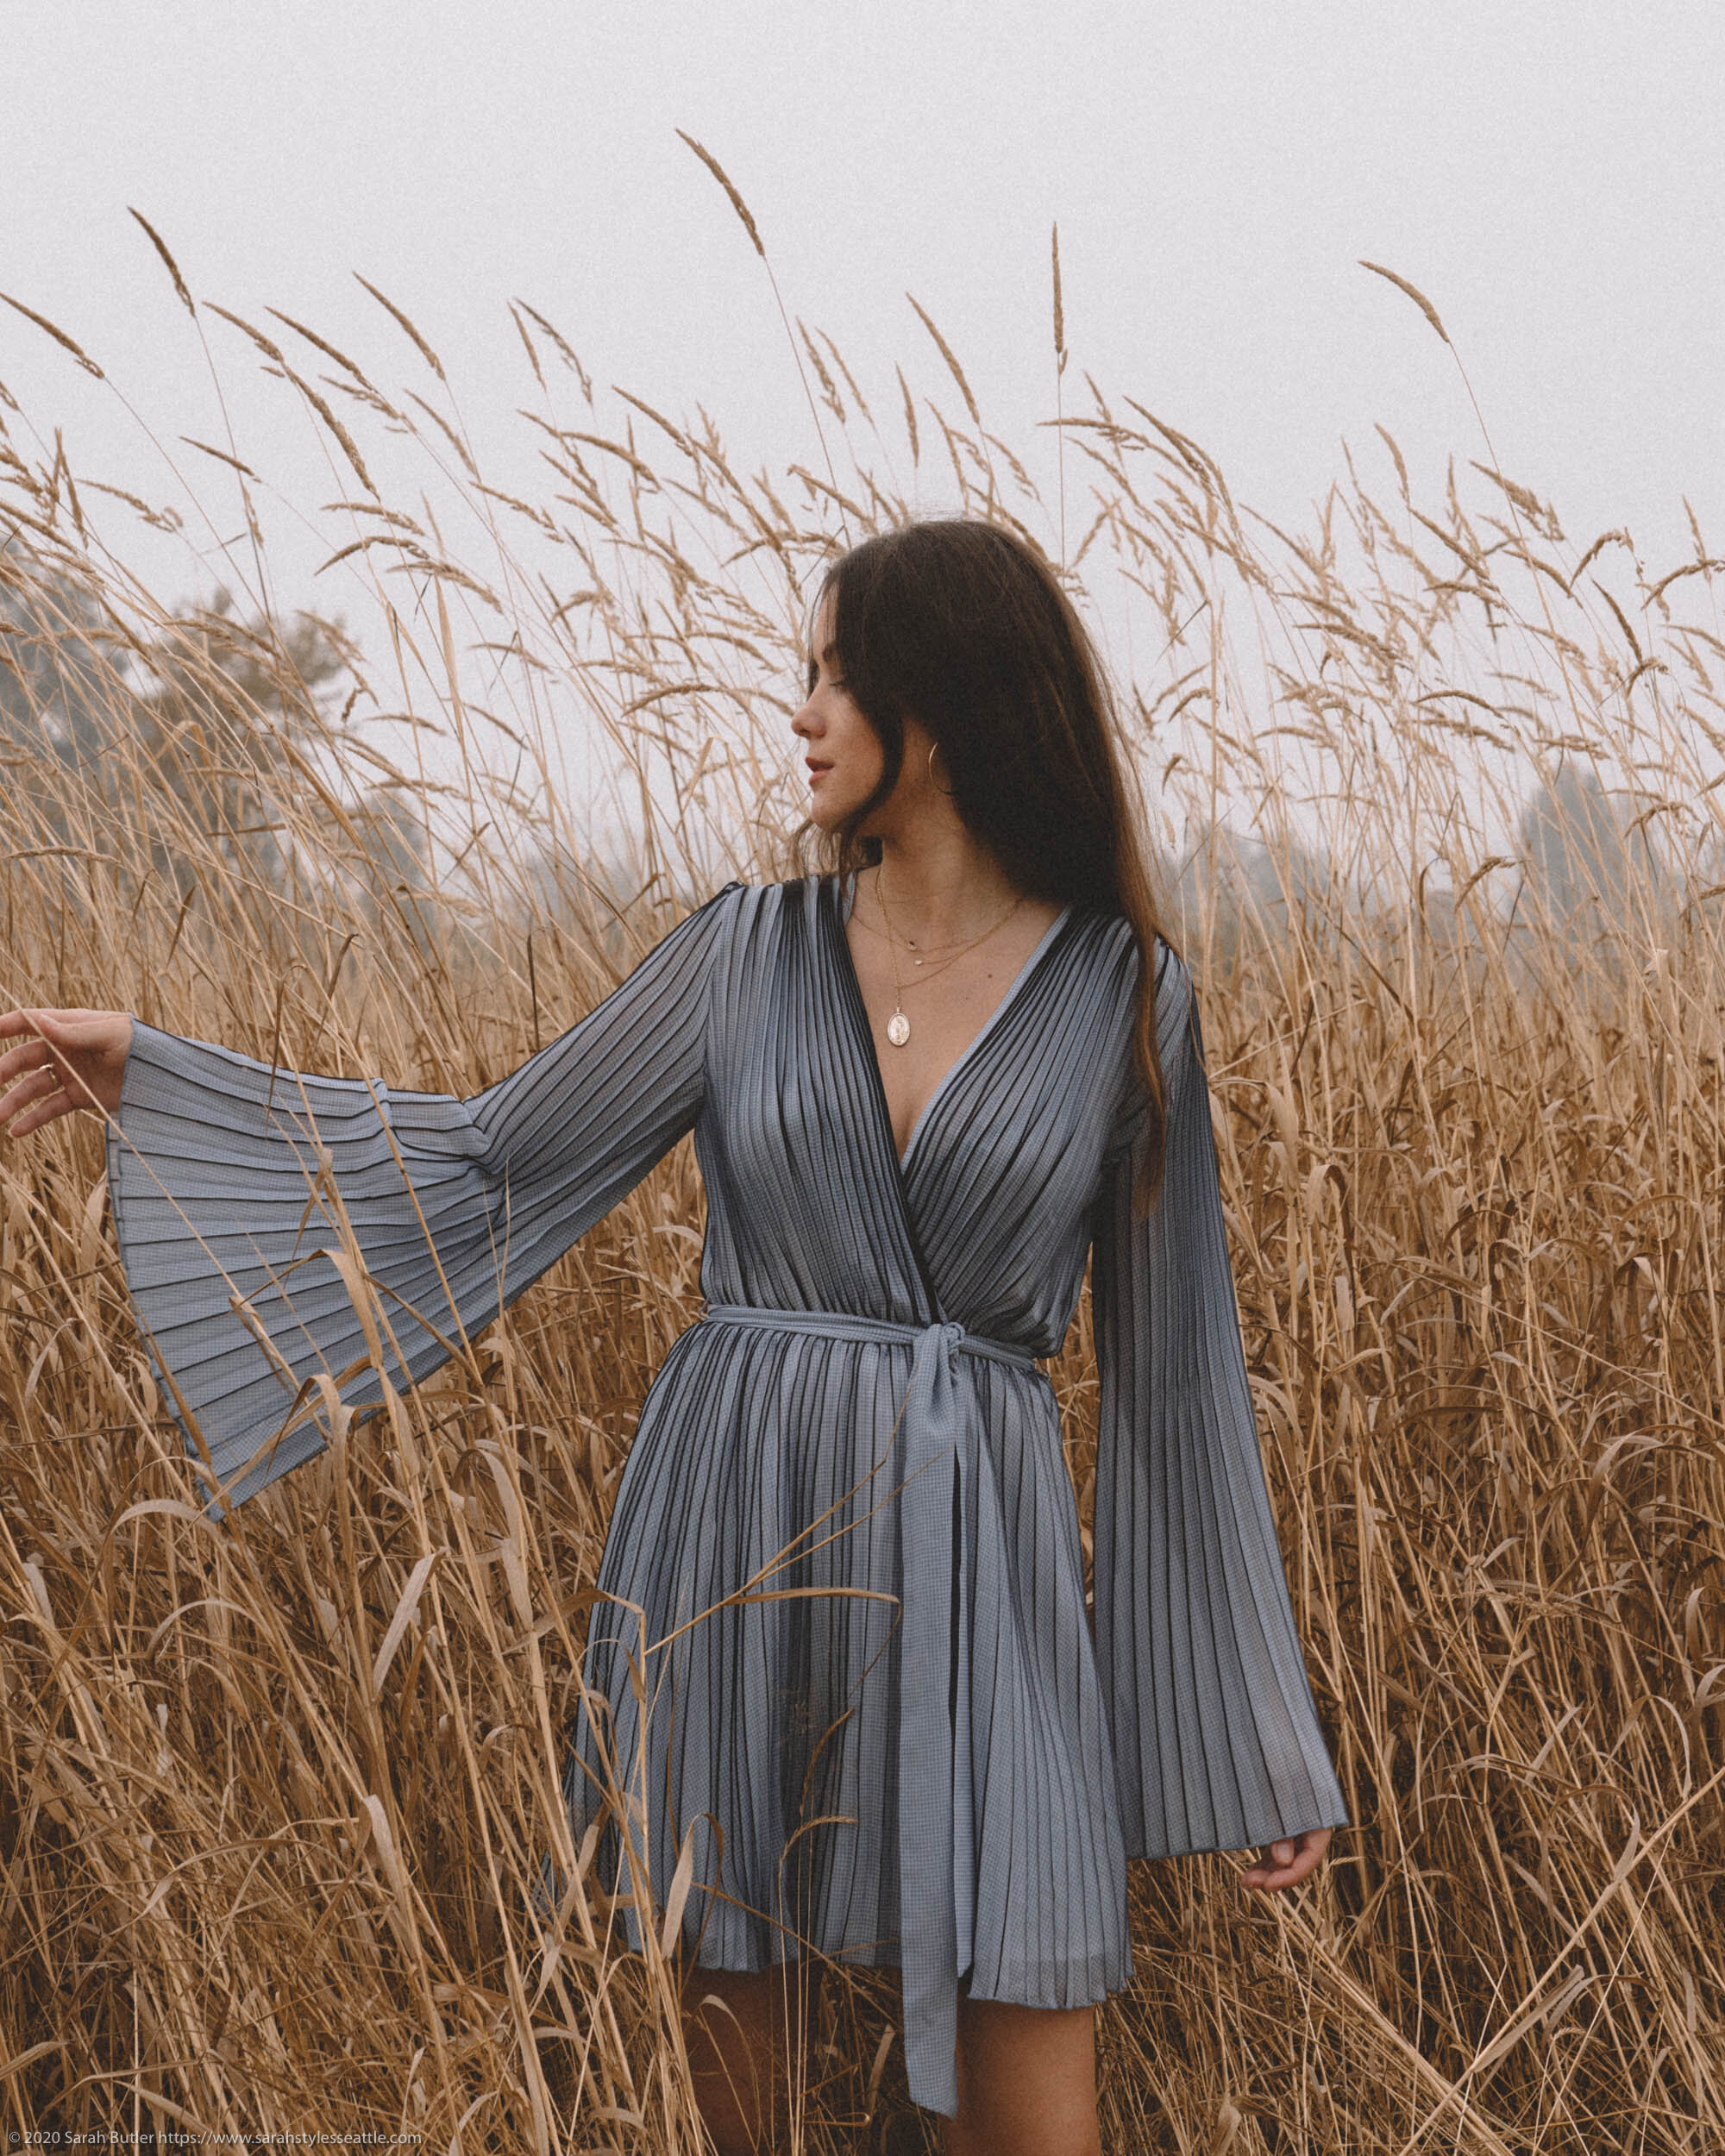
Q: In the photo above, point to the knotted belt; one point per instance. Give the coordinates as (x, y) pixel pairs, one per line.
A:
(937, 1447)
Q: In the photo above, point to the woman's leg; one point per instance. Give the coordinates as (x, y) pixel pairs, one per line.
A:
(1027, 2081)
(745, 2034)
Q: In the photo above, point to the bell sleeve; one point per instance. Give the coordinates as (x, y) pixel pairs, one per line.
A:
(1217, 1742)
(229, 1182)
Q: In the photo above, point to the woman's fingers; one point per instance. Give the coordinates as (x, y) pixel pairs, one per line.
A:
(54, 1021)
(48, 1105)
(1275, 1867)
(35, 1085)
(27, 1071)
(48, 1038)
(60, 1061)
(1285, 1863)
(31, 1052)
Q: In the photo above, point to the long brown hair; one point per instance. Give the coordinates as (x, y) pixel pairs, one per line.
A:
(962, 624)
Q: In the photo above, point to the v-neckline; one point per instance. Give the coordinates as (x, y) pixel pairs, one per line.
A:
(842, 902)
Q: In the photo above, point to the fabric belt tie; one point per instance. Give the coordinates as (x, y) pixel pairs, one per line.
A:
(936, 1449)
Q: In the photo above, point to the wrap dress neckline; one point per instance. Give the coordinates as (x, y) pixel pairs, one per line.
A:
(836, 914)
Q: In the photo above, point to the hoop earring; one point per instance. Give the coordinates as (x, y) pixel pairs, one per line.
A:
(947, 790)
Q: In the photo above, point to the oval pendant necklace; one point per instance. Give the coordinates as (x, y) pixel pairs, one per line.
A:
(898, 1025)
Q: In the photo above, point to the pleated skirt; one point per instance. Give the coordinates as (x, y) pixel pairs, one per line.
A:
(741, 1675)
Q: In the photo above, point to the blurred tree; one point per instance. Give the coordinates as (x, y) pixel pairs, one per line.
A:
(59, 659)
(1593, 877)
(206, 752)
(223, 709)
(1231, 887)
(199, 736)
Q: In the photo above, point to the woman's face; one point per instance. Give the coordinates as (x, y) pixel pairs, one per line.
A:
(842, 749)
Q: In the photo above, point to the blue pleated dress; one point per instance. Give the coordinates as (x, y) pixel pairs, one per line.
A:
(845, 1556)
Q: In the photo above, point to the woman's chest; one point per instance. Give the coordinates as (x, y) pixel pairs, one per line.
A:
(1006, 1122)
(924, 1016)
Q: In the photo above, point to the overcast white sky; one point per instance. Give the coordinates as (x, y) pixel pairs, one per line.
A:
(1547, 173)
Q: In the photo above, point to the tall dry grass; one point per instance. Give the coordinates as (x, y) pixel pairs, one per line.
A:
(273, 1793)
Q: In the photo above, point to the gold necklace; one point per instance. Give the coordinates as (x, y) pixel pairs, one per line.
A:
(910, 942)
(898, 1026)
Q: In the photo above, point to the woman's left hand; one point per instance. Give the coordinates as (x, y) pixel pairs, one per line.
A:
(1284, 1862)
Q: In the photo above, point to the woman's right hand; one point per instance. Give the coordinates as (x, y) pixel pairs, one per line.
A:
(65, 1060)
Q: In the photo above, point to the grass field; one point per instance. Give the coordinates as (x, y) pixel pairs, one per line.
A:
(1436, 789)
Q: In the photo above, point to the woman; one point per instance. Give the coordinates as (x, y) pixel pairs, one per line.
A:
(923, 1088)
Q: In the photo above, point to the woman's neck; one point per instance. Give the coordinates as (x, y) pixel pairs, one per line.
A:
(940, 887)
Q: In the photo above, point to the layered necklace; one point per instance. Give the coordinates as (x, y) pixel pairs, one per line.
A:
(898, 1026)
